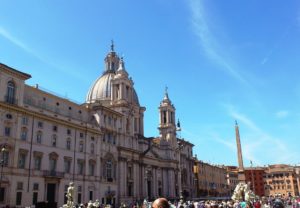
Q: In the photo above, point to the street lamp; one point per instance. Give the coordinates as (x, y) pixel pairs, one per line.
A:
(178, 149)
(2, 163)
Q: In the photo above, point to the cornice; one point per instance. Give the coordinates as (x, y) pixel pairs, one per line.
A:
(14, 72)
(23, 110)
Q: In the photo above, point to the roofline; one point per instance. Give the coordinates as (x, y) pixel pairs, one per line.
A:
(11, 70)
(37, 88)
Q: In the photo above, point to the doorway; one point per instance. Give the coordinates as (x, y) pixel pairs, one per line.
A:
(51, 192)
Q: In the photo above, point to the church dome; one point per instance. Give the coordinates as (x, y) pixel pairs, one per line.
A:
(101, 90)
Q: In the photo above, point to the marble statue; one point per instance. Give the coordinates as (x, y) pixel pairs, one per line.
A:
(70, 196)
(242, 192)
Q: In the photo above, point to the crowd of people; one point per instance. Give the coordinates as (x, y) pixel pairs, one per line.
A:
(270, 202)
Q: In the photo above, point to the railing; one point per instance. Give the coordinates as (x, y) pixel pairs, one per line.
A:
(10, 100)
(52, 173)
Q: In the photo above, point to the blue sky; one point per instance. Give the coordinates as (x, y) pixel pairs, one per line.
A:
(221, 60)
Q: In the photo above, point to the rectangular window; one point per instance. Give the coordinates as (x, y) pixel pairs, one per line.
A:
(35, 197)
(81, 135)
(19, 198)
(5, 156)
(24, 121)
(67, 166)
(91, 169)
(52, 164)
(129, 172)
(22, 160)
(54, 128)
(81, 147)
(24, 134)
(68, 145)
(37, 163)
(39, 137)
(40, 124)
(7, 131)
(109, 138)
(54, 140)
(20, 186)
(35, 186)
(80, 167)
(69, 131)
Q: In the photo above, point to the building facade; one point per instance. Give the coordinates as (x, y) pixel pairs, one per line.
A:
(232, 178)
(281, 180)
(211, 180)
(255, 175)
(48, 141)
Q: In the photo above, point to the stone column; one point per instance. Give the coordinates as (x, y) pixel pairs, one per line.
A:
(155, 194)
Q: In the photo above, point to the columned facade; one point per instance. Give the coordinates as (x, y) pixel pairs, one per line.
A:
(99, 145)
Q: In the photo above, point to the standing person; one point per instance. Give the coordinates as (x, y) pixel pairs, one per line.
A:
(257, 204)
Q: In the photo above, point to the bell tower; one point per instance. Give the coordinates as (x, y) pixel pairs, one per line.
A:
(167, 124)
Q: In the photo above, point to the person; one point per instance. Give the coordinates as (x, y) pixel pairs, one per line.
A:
(278, 203)
(161, 203)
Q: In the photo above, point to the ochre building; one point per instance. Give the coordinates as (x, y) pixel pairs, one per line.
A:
(281, 180)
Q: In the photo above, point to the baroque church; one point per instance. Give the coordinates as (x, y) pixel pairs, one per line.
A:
(48, 141)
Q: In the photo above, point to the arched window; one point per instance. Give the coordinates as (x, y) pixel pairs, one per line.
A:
(10, 94)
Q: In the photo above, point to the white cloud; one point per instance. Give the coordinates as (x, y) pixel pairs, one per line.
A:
(60, 67)
(257, 142)
(7, 35)
(209, 42)
(282, 114)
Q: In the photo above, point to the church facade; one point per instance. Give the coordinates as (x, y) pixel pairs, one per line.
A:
(48, 141)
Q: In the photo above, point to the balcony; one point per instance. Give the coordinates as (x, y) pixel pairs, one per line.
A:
(53, 174)
(10, 100)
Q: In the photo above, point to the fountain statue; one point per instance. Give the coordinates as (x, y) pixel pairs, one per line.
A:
(242, 192)
(70, 196)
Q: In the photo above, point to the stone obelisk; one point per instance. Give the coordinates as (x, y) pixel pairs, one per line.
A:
(241, 173)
